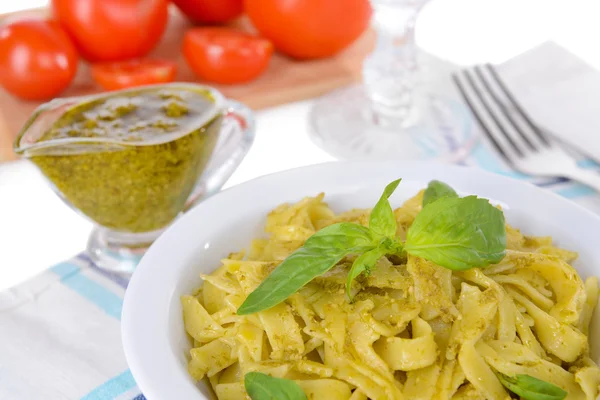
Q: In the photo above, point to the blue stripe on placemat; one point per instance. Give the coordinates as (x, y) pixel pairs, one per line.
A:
(587, 163)
(575, 191)
(116, 278)
(490, 162)
(112, 388)
(65, 270)
(92, 291)
(140, 397)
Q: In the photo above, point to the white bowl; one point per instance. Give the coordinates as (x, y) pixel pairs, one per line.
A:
(153, 335)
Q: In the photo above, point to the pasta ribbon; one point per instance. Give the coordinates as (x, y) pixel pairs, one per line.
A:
(432, 286)
(362, 382)
(540, 369)
(211, 358)
(252, 337)
(421, 384)
(477, 309)
(467, 392)
(479, 373)
(409, 354)
(283, 332)
(591, 301)
(558, 338)
(198, 323)
(325, 389)
(231, 391)
(358, 395)
(588, 379)
(565, 283)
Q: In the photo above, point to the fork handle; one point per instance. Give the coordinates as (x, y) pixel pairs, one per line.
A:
(587, 177)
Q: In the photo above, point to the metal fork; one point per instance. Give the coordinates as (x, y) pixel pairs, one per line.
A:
(512, 132)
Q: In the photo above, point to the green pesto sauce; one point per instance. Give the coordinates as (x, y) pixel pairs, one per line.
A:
(135, 186)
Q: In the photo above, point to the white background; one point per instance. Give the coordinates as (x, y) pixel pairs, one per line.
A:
(37, 230)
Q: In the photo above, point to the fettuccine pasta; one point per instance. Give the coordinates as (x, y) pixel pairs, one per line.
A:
(415, 330)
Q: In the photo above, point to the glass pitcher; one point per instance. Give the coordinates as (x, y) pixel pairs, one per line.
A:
(133, 160)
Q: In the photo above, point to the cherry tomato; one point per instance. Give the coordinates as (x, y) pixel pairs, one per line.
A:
(307, 29)
(37, 59)
(223, 55)
(211, 11)
(113, 30)
(124, 74)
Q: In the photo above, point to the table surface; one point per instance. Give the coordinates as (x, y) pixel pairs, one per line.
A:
(38, 230)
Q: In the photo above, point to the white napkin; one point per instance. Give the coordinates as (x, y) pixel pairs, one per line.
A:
(560, 92)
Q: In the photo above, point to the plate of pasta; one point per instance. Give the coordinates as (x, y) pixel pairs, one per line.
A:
(370, 280)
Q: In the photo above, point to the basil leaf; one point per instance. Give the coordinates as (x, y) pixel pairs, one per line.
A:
(530, 388)
(364, 262)
(382, 221)
(319, 254)
(458, 233)
(264, 387)
(436, 190)
(340, 236)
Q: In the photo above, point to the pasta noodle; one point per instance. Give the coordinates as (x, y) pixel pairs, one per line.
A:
(415, 330)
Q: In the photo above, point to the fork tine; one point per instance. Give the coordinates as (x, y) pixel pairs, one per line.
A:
(487, 130)
(488, 107)
(517, 105)
(505, 110)
(478, 117)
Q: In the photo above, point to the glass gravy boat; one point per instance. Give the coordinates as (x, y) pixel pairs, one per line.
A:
(133, 187)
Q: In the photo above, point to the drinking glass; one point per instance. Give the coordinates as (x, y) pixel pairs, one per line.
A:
(395, 113)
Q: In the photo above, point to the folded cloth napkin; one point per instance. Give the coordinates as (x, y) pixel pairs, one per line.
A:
(560, 92)
(60, 336)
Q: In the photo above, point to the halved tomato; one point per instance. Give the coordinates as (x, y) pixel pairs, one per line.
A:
(124, 74)
(226, 56)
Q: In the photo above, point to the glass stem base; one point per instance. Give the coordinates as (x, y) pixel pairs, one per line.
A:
(119, 251)
(344, 124)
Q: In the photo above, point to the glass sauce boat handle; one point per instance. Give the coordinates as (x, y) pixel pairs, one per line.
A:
(235, 139)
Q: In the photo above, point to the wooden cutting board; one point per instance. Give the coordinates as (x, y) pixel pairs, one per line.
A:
(285, 81)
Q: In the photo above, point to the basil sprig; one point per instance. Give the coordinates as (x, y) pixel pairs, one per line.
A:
(530, 388)
(260, 386)
(456, 233)
(382, 225)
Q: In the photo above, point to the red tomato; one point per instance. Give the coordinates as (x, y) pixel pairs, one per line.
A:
(307, 29)
(113, 30)
(37, 59)
(124, 74)
(223, 55)
(211, 11)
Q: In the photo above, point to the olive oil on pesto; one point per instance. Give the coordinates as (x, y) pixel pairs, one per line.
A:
(143, 182)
